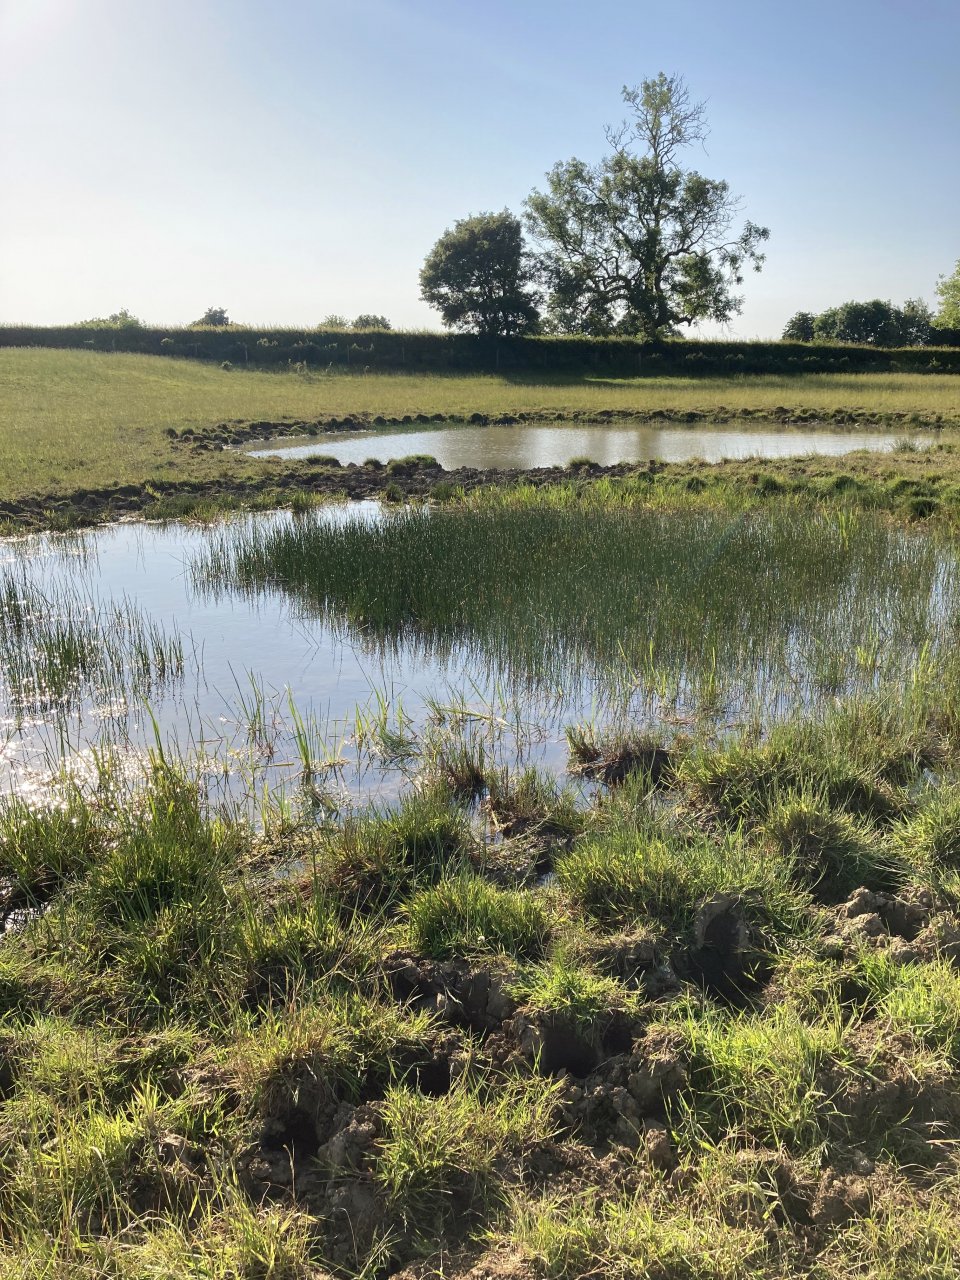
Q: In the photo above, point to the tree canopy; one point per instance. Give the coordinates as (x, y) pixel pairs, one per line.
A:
(122, 319)
(800, 327)
(369, 321)
(875, 323)
(948, 291)
(480, 278)
(213, 317)
(637, 244)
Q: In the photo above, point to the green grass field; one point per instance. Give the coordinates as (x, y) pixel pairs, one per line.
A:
(71, 420)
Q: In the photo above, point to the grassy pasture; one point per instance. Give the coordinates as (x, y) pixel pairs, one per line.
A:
(71, 420)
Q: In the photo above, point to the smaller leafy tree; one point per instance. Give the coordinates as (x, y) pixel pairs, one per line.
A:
(799, 328)
(916, 322)
(333, 321)
(213, 317)
(948, 292)
(365, 321)
(479, 276)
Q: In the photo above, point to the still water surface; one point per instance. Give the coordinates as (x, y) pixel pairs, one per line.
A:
(250, 652)
(554, 445)
(245, 659)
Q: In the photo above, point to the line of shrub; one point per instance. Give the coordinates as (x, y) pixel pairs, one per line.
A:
(439, 352)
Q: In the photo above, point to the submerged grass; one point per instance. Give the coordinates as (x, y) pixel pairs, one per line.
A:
(60, 645)
(634, 595)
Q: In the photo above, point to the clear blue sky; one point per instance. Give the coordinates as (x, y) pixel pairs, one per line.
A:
(290, 159)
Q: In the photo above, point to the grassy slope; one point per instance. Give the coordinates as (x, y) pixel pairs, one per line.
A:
(72, 419)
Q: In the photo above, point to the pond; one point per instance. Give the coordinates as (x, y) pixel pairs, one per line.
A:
(528, 445)
(350, 647)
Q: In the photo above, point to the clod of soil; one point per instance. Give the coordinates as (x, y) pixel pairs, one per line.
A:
(612, 1103)
(878, 918)
(463, 995)
(721, 957)
(614, 765)
(841, 1198)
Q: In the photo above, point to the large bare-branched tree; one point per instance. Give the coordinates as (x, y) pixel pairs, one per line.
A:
(638, 244)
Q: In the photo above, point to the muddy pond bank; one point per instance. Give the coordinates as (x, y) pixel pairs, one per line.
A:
(908, 483)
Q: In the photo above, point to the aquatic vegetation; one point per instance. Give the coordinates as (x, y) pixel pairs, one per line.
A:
(59, 644)
(697, 608)
(691, 1010)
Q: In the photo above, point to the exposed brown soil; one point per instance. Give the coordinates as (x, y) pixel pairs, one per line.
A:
(352, 483)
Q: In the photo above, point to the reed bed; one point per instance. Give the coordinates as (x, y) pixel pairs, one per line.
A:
(745, 612)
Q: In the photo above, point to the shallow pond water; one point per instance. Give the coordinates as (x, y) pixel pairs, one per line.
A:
(256, 674)
(362, 642)
(537, 445)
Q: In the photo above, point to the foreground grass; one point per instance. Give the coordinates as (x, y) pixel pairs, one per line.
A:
(723, 1040)
(77, 420)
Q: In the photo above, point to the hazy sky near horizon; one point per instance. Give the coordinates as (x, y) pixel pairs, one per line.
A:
(291, 159)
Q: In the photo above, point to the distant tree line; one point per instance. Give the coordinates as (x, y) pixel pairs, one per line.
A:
(876, 323)
(217, 318)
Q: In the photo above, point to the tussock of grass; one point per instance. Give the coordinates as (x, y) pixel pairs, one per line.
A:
(225, 1240)
(41, 850)
(302, 940)
(437, 1155)
(566, 989)
(635, 873)
(626, 1237)
(759, 1076)
(922, 999)
(375, 859)
(110, 1168)
(467, 915)
(744, 781)
(305, 1054)
(905, 1238)
(930, 837)
(830, 851)
(530, 803)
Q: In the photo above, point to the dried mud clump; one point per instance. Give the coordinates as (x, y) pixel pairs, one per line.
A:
(462, 994)
(912, 925)
(624, 1099)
